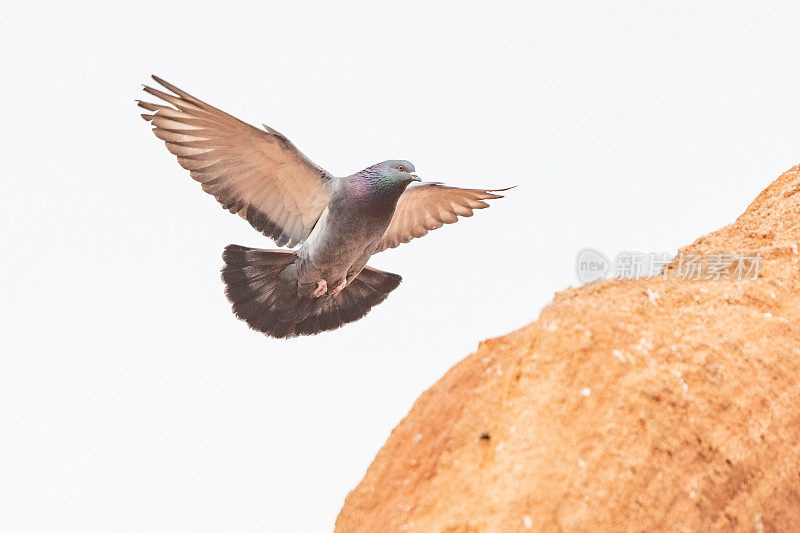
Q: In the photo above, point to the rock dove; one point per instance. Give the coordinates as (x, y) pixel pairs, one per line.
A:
(338, 222)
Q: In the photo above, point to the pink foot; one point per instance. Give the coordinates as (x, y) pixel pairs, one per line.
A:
(322, 288)
(339, 286)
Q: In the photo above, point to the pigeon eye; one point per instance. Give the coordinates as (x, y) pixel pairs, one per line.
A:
(401, 168)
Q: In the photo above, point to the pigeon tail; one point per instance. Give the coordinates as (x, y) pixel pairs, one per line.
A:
(262, 286)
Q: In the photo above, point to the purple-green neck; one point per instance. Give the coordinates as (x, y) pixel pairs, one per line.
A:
(376, 189)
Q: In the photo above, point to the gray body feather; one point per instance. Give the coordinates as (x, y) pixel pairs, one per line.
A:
(347, 234)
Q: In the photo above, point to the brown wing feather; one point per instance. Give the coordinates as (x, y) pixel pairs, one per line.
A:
(258, 174)
(429, 206)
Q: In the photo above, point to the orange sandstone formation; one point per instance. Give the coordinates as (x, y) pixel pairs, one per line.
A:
(647, 405)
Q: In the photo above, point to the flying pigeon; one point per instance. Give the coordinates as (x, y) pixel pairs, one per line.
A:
(338, 222)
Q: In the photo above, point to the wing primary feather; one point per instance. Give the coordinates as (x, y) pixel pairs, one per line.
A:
(183, 94)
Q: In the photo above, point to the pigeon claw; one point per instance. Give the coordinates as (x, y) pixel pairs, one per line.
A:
(322, 288)
(339, 286)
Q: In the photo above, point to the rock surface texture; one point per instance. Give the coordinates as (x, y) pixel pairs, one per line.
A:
(642, 405)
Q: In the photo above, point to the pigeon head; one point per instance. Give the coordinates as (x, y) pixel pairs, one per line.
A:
(391, 174)
(399, 171)
(387, 179)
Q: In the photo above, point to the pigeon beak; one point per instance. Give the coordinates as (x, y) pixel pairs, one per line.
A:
(414, 176)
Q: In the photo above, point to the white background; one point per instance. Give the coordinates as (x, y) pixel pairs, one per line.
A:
(131, 399)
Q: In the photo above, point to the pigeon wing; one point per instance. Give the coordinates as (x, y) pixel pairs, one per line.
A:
(258, 174)
(429, 206)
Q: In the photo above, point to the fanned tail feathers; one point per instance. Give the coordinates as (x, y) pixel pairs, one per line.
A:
(261, 285)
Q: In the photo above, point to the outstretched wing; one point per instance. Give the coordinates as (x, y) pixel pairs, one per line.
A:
(429, 206)
(258, 174)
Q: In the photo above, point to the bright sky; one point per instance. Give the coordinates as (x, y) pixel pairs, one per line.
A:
(131, 399)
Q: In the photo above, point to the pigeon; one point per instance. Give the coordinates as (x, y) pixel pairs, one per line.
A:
(334, 224)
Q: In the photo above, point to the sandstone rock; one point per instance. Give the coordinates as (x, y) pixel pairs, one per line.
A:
(655, 404)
